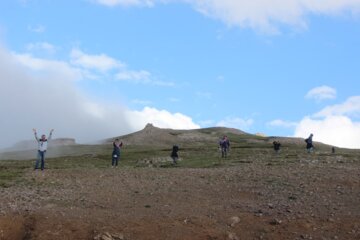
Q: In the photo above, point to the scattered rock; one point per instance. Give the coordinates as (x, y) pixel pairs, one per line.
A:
(118, 236)
(305, 236)
(232, 236)
(259, 213)
(275, 222)
(234, 220)
(108, 236)
(292, 197)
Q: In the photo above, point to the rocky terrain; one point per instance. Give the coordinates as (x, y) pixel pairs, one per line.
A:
(252, 194)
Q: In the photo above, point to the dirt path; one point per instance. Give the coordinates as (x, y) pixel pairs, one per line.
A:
(248, 201)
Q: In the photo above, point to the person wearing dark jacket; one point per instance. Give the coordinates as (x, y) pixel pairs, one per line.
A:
(224, 145)
(309, 143)
(116, 152)
(174, 154)
(277, 145)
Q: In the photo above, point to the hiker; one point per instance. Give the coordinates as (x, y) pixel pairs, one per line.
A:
(174, 154)
(277, 145)
(224, 145)
(333, 150)
(42, 147)
(117, 144)
(309, 143)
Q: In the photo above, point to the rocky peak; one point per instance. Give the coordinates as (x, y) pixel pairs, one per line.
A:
(149, 126)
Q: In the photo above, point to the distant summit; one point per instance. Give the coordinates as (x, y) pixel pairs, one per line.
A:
(260, 134)
(152, 135)
(149, 125)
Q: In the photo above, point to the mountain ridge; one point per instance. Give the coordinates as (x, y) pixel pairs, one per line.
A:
(152, 137)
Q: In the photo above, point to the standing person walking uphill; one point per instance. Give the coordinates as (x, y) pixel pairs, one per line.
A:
(224, 146)
(277, 146)
(174, 154)
(309, 143)
(116, 152)
(42, 147)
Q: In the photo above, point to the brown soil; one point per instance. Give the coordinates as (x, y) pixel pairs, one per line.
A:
(307, 200)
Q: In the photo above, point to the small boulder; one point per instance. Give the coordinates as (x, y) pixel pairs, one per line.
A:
(233, 221)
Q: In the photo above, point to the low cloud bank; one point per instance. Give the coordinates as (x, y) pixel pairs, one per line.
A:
(337, 125)
(38, 93)
(339, 131)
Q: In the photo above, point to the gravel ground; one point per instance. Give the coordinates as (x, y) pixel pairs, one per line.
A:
(256, 200)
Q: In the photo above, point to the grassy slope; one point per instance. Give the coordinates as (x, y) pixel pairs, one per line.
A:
(245, 149)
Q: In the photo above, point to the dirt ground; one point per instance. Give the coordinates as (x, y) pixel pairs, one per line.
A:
(302, 200)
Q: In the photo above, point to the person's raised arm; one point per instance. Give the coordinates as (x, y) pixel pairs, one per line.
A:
(35, 134)
(50, 135)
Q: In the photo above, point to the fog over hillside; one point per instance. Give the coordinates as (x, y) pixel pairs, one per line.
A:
(42, 94)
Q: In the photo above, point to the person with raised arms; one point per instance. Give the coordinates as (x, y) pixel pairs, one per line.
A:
(42, 148)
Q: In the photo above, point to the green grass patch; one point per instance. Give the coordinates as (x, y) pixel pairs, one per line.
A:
(191, 156)
(12, 172)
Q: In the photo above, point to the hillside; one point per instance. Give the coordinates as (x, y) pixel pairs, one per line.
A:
(254, 193)
(159, 138)
(154, 136)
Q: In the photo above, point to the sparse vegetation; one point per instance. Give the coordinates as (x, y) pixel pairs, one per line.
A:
(98, 157)
(274, 196)
(12, 172)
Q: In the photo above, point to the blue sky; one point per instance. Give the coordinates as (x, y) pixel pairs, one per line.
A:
(285, 68)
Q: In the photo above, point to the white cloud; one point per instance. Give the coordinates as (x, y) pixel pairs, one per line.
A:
(99, 62)
(44, 66)
(112, 3)
(39, 93)
(339, 131)
(262, 15)
(93, 65)
(334, 125)
(134, 76)
(41, 46)
(161, 118)
(282, 123)
(37, 28)
(239, 123)
(321, 93)
(141, 102)
(140, 77)
(205, 95)
(351, 107)
(267, 15)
